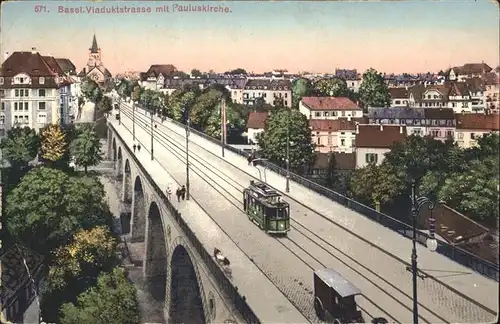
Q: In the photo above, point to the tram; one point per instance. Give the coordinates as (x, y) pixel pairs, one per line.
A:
(265, 207)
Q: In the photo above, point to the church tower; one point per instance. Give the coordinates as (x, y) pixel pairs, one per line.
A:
(94, 54)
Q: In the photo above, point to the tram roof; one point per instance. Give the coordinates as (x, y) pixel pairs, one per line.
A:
(263, 189)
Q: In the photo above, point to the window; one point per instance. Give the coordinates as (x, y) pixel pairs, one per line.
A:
(460, 135)
(26, 119)
(329, 138)
(317, 114)
(371, 157)
(449, 133)
(2, 93)
(26, 106)
(343, 113)
(41, 80)
(41, 106)
(472, 136)
(342, 142)
(1, 80)
(286, 102)
(16, 120)
(15, 106)
(42, 118)
(21, 92)
(3, 106)
(286, 95)
(397, 102)
(2, 120)
(41, 92)
(319, 140)
(434, 122)
(434, 133)
(327, 114)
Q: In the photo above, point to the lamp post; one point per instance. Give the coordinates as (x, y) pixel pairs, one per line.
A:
(287, 187)
(187, 157)
(152, 129)
(133, 119)
(417, 204)
(119, 110)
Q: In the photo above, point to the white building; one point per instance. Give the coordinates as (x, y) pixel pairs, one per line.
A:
(374, 141)
(329, 108)
(256, 124)
(399, 97)
(333, 135)
(467, 71)
(268, 91)
(470, 127)
(34, 92)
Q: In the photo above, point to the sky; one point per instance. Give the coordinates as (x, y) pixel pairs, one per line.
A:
(390, 36)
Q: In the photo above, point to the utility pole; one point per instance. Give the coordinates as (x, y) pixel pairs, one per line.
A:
(119, 110)
(287, 187)
(223, 123)
(152, 131)
(187, 158)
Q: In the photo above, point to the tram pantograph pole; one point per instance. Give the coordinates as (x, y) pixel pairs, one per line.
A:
(187, 158)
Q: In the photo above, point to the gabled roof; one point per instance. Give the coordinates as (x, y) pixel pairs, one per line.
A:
(489, 122)
(439, 113)
(331, 125)
(53, 65)
(379, 136)
(257, 120)
(26, 62)
(398, 93)
(262, 83)
(66, 65)
(281, 85)
(167, 70)
(329, 103)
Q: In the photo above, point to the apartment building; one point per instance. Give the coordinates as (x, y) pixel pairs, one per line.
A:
(329, 108)
(374, 141)
(470, 127)
(271, 92)
(34, 91)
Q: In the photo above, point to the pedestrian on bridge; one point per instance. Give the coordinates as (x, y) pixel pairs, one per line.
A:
(178, 194)
(134, 147)
(138, 147)
(169, 193)
(183, 192)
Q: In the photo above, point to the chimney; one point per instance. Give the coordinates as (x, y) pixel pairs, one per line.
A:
(50, 54)
(348, 118)
(381, 127)
(357, 128)
(401, 129)
(6, 55)
(33, 50)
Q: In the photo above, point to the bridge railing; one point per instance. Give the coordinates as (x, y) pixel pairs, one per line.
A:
(222, 279)
(453, 252)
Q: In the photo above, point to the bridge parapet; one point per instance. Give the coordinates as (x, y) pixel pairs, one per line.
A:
(220, 276)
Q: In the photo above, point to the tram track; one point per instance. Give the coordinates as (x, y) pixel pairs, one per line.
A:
(446, 300)
(290, 242)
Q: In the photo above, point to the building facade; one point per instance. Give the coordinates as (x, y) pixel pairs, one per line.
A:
(470, 127)
(329, 108)
(34, 92)
(374, 141)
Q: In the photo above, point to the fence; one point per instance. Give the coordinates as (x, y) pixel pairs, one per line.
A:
(459, 255)
(223, 281)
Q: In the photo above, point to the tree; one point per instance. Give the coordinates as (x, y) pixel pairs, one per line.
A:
(331, 173)
(237, 71)
(86, 148)
(113, 301)
(54, 143)
(475, 193)
(90, 252)
(300, 88)
(196, 73)
(373, 91)
(47, 207)
(20, 146)
(376, 185)
(273, 140)
(330, 87)
(105, 104)
(90, 89)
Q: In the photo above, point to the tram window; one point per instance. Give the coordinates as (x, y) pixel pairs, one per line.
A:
(281, 213)
(270, 212)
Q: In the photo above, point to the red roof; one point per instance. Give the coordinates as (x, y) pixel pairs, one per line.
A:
(331, 125)
(257, 120)
(478, 121)
(329, 103)
(26, 62)
(379, 136)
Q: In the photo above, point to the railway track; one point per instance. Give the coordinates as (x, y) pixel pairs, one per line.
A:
(296, 240)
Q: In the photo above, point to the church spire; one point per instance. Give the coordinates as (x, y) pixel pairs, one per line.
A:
(94, 48)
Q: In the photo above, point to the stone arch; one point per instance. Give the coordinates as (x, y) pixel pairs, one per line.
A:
(138, 212)
(119, 162)
(127, 186)
(114, 150)
(186, 293)
(156, 261)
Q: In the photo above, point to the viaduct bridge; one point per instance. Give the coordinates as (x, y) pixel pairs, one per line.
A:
(270, 279)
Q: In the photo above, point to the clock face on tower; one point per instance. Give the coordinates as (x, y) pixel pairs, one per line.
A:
(95, 77)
